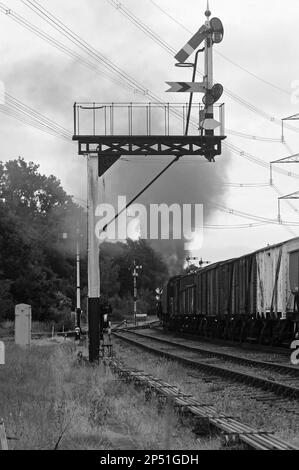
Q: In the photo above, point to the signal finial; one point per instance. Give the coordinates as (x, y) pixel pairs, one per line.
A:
(208, 11)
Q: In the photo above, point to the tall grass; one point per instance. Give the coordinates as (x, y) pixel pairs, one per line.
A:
(50, 401)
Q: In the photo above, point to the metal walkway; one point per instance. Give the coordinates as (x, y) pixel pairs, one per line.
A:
(115, 129)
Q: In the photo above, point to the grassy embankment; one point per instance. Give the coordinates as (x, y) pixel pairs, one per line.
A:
(49, 401)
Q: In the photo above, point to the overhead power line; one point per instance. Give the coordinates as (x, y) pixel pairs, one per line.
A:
(59, 26)
(156, 38)
(234, 149)
(233, 227)
(9, 112)
(22, 108)
(27, 115)
(246, 215)
(58, 45)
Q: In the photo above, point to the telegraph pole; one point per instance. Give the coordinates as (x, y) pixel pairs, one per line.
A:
(78, 286)
(93, 260)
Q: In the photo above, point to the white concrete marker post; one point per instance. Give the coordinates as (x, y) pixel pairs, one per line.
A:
(2, 353)
(23, 325)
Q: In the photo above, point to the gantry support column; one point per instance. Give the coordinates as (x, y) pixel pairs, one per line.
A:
(93, 260)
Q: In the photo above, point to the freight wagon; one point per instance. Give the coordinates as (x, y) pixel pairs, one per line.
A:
(252, 298)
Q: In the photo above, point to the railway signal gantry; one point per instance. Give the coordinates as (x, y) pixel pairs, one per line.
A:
(107, 131)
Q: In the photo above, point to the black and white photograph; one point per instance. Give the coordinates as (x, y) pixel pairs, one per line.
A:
(149, 230)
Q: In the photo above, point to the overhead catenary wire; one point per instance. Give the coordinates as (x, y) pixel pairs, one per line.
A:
(60, 46)
(55, 129)
(22, 107)
(246, 215)
(256, 160)
(156, 38)
(235, 149)
(32, 123)
(233, 227)
(276, 189)
(74, 38)
(144, 90)
(260, 161)
(280, 194)
(27, 115)
(147, 92)
(206, 226)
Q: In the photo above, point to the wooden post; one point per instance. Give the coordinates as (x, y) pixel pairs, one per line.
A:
(93, 260)
(3, 439)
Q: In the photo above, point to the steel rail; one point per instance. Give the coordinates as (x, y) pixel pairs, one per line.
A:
(236, 344)
(222, 371)
(273, 366)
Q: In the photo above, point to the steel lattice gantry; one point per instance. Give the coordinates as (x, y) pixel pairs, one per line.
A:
(113, 130)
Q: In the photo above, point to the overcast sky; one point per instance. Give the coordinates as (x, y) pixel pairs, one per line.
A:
(260, 36)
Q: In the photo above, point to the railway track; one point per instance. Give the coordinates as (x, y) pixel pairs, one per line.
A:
(232, 429)
(283, 382)
(280, 367)
(245, 346)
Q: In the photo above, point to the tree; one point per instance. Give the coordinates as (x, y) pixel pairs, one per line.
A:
(36, 265)
(116, 265)
(154, 271)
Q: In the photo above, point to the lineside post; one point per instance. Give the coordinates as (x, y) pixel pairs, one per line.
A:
(78, 286)
(93, 305)
(135, 275)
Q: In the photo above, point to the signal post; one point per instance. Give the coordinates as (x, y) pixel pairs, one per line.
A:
(210, 33)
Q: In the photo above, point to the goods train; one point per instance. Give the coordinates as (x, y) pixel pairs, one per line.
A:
(253, 298)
